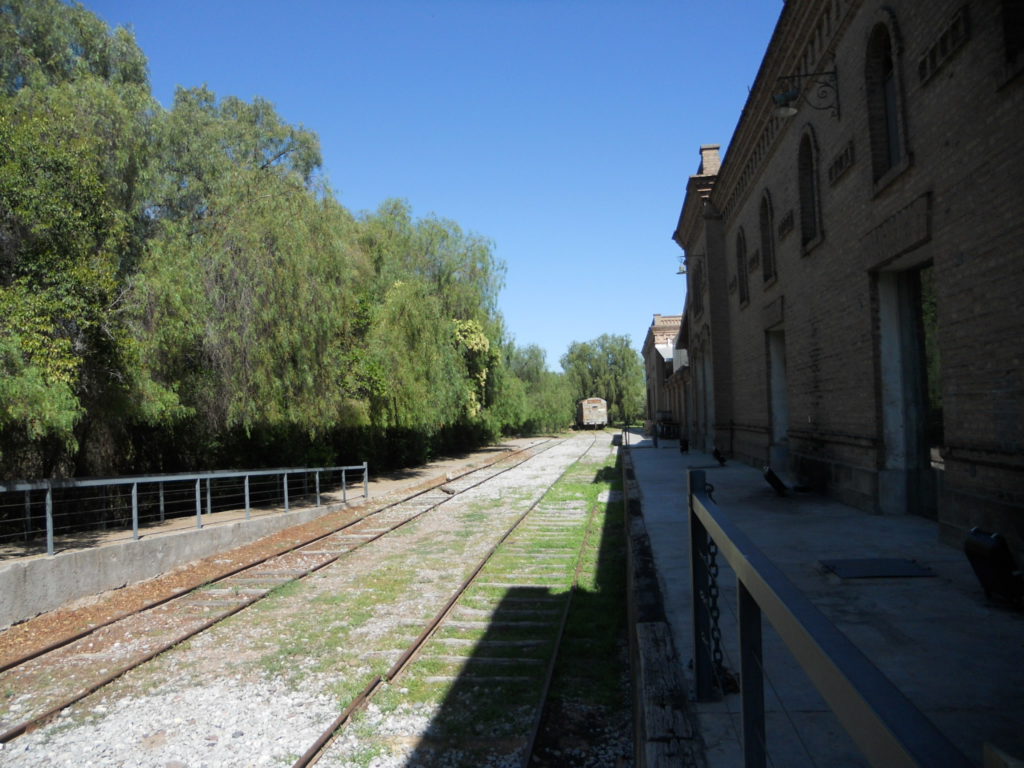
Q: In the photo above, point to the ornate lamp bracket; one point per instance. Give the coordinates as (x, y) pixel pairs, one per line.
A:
(819, 90)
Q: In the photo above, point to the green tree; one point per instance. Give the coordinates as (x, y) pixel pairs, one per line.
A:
(48, 42)
(182, 282)
(428, 321)
(246, 316)
(527, 363)
(75, 115)
(548, 398)
(607, 367)
(61, 243)
(200, 143)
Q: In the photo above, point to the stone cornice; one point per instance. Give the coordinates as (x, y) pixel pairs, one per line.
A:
(698, 190)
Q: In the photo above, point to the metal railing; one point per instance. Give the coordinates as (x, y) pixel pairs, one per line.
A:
(887, 728)
(69, 506)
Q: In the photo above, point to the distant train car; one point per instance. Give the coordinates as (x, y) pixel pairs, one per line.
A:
(592, 413)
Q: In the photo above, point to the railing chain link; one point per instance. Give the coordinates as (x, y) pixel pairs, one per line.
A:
(721, 675)
(714, 611)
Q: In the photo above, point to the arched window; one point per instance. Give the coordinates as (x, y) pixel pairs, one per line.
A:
(741, 267)
(807, 172)
(767, 226)
(882, 86)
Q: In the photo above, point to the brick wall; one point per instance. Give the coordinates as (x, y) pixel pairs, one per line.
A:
(954, 201)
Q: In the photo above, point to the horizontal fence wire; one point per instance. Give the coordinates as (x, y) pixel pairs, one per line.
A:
(47, 515)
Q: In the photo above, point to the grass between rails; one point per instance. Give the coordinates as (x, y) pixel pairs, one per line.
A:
(470, 721)
(595, 634)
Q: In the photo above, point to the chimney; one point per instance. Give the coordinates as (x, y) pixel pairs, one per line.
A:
(709, 160)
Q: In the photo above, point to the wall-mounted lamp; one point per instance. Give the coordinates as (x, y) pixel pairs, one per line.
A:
(822, 94)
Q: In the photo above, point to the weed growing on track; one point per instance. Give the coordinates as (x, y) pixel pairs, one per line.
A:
(590, 690)
(478, 720)
(324, 633)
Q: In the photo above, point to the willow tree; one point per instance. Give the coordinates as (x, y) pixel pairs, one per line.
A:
(183, 277)
(607, 367)
(548, 397)
(245, 318)
(201, 143)
(428, 320)
(75, 113)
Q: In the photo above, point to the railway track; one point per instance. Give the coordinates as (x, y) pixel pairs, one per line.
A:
(476, 678)
(93, 658)
(385, 619)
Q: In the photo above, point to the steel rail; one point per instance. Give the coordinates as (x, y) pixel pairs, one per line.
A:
(33, 722)
(241, 569)
(313, 754)
(552, 662)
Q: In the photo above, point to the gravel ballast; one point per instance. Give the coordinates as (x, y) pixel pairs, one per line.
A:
(258, 689)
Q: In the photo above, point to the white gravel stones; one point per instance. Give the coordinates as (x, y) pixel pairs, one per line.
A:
(226, 723)
(212, 705)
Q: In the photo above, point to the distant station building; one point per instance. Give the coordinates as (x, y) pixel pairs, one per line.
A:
(660, 362)
(854, 313)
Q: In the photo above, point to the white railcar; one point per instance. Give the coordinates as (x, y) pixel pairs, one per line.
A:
(592, 413)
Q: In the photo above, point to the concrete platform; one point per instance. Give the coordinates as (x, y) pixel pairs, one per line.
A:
(956, 655)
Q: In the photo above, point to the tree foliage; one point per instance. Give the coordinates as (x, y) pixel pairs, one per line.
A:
(178, 287)
(610, 368)
(549, 403)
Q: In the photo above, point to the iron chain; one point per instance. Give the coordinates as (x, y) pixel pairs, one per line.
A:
(713, 610)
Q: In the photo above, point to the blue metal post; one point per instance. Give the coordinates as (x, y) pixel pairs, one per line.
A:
(135, 511)
(49, 518)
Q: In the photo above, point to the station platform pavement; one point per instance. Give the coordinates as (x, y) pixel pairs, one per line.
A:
(958, 656)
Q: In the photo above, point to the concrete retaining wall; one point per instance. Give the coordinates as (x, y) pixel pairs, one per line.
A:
(33, 586)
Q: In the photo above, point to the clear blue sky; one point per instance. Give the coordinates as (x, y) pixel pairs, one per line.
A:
(562, 130)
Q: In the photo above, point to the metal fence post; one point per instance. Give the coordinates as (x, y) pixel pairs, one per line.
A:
(699, 580)
(317, 476)
(162, 502)
(366, 481)
(247, 497)
(135, 511)
(344, 486)
(49, 517)
(28, 514)
(751, 675)
(209, 499)
(285, 491)
(199, 505)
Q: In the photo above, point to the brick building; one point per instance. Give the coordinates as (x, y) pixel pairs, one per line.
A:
(661, 359)
(855, 264)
